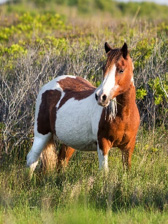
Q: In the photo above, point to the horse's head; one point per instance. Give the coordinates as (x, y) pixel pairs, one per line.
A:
(117, 75)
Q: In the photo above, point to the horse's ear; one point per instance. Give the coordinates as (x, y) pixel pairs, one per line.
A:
(107, 47)
(124, 50)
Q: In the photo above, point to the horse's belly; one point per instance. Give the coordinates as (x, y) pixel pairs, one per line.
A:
(74, 128)
(77, 138)
(92, 146)
(88, 147)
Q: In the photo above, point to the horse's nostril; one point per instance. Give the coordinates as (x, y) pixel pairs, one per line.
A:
(96, 96)
(104, 97)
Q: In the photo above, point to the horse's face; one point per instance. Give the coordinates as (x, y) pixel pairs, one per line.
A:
(118, 75)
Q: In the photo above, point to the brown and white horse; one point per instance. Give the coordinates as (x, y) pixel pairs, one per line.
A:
(87, 118)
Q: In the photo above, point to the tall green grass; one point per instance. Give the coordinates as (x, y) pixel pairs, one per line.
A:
(82, 194)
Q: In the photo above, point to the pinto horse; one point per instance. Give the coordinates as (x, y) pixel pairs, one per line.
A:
(87, 118)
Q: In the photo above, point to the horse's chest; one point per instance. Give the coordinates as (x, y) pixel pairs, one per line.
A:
(119, 133)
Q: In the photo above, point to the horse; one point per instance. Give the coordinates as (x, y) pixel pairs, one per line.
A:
(86, 118)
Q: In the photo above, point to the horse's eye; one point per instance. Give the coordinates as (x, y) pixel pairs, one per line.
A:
(121, 71)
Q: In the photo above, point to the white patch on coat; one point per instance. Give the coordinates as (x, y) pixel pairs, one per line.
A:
(77, 123)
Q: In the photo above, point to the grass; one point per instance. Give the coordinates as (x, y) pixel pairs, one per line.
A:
(81, 215)
(82, 194)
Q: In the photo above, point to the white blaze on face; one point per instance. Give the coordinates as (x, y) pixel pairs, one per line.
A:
(109, 82)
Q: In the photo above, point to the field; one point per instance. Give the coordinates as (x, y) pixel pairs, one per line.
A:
(39, 42)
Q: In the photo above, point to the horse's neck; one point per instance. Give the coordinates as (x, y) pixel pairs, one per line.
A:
(126, 101)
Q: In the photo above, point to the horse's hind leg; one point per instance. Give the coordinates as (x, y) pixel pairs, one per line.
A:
(39, 143)
(64, 155)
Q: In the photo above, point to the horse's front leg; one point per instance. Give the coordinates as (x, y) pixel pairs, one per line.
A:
(103, 148)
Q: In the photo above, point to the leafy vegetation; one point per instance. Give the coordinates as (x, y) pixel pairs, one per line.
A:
(38, 44)
(117, 9)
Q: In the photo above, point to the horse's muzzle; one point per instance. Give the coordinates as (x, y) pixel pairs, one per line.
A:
(102, 99)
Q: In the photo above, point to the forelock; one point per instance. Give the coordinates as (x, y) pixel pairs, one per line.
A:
(113, 55)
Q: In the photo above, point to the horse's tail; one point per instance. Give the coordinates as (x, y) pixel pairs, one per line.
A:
(49, 156)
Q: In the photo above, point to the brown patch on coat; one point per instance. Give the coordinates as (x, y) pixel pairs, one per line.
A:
(77, 88)
(47, 111)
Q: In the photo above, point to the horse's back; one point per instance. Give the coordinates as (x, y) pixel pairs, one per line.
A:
(68, 83)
